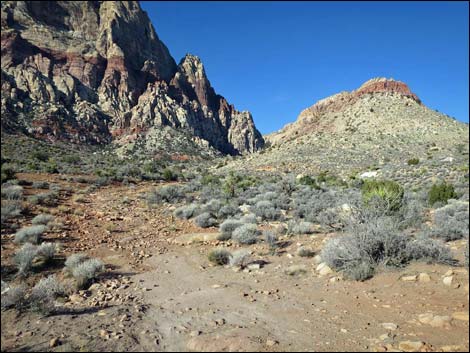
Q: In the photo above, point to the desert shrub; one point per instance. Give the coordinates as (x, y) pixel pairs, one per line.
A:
(226, 211)
(249, 218)
(213, 206)
(24, 258)
(299, 227)
(42, 219)
(308, 181)
(40, 155)
(46, 198)
(386, 191)
(40, 185)
(46, 251)
(412, 212)
(240, 258)
(228, 227)
(413, 161)
(10, 210)
(219, 257)
(168, 193)
(169, 175)
(265, 209)
(86, 271)
(73, 261)
(44, 294)
(270, 238)
(451, 221)
(441, 193)
(30, 234)
(295, 270)
(14, 297)
(368, 245)
(430, 250)
(305, 252)
(246, 234)
(205, 220)
(7, 172)
(12, 192)
(187, 212)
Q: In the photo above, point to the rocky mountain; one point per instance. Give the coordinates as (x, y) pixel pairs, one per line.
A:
(96, 72)
(378, 127)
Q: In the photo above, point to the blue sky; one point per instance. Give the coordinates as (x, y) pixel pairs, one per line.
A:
(278, 58)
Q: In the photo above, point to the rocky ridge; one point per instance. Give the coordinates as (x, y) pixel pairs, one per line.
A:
(96, 72)
(378, 127)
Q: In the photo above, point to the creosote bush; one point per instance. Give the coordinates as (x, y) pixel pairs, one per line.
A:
(441, 193)
(219, 257)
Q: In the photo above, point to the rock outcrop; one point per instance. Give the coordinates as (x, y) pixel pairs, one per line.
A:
(96, 72)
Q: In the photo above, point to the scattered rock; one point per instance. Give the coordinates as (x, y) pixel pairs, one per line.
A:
(409, 278)
(411, 346)
(390, 326)
(424, 277)
(448, 280)
(460, 315)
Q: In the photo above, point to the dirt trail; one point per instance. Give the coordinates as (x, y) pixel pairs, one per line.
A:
(178, 301)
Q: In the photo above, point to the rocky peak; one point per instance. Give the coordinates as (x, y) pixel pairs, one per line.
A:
(381, 84)
(62, 57)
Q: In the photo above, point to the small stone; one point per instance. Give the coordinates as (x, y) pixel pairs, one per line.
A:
(452, 348)
(195, 333)
(440, 321)
(449, 273)
(448, 280)
(424, 277)
(460, 315)
(253, 267)
(409, 278)
(425, 318)
(54, 342)
(389, 326)
(323, 269)
(271, 343)
(410, 346)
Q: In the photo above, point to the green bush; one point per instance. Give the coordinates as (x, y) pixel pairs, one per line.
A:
(42, 156)
(8, 172)
(413, 161)
(386, 191)
(309, 181)
(441, 193)
(169, 175)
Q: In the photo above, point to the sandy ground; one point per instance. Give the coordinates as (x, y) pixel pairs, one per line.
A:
(160, 293)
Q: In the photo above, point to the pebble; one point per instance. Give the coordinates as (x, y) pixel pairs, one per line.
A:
(411, 346)
(409, 278)
(54, 342)
(424, 277)
(448, 280)
(389, 326)
(460, 315)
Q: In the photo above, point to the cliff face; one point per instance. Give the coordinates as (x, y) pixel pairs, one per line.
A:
(95, 72)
